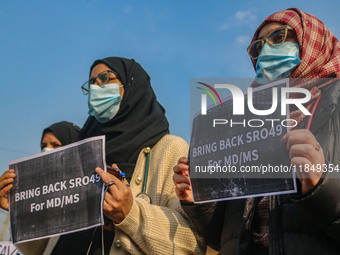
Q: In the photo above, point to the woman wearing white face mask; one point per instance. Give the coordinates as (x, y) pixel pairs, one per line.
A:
(59, 134)
(55, 136)
(294, 44)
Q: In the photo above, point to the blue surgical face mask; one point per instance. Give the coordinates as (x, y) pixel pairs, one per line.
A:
(276, 62)
(104, 101)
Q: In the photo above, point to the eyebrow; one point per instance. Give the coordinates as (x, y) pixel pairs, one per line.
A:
(272, 31)
(104, 72)
(266, 34)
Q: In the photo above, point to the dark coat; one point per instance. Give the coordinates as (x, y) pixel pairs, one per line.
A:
(298, 224)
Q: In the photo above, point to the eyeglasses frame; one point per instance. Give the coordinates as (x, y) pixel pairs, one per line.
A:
(265, 39)
(92, 81)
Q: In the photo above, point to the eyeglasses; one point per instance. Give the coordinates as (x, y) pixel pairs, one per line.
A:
(274, 39)
(101, 79)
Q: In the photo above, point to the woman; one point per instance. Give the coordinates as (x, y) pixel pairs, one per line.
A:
(54, 136)
(292, 44)
(145, 215)
(59, 134)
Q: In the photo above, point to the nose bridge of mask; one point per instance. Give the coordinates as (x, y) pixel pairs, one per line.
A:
(106, 86)
(285, 49)
(103, 92)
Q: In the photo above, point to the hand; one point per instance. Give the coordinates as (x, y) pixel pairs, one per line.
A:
(181, 180)
(305, 153)
(118, 198)
(6, 181)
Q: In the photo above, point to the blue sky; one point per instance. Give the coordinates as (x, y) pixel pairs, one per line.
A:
(47, 48)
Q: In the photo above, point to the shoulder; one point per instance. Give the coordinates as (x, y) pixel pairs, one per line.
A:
(327, 113)
(331, 100)
(331, 93)
(170, 147)
(171, 141)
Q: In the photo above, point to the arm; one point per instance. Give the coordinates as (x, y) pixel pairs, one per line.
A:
(155, 229)
(34, 247)
(205, 217)
(161, 227)
(319, 200)
(322, 205)
(208, 219)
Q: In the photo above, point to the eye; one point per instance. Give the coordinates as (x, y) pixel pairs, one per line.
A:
(56, 145)
(277, 36)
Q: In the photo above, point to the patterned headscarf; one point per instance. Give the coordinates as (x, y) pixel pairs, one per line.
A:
(319, 49)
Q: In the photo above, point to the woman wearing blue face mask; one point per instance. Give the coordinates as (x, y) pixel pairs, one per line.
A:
(142, 213)
(294, 44)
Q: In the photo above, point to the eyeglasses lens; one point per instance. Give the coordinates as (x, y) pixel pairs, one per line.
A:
(255, 49)
(278, 36)
(103, 78)
(275, 38)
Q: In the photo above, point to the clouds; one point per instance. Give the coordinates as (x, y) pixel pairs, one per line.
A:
(243, 40)
(247, 17)
(248, 20)
(224, 27)
(244, 22)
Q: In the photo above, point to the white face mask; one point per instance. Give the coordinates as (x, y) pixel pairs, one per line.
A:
(104, 101)
(46, 149)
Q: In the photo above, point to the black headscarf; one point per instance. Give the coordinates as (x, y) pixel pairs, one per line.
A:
(140, 121)
(66, 132)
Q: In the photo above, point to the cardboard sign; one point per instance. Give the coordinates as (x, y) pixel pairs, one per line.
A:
(58, 191)
(241, 155)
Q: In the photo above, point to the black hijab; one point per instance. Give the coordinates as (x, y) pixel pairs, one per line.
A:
(140, 121)
(66, 132)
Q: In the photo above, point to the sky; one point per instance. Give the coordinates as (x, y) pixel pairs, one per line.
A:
(47, 48)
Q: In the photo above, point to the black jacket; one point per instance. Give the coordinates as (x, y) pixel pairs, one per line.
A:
(298, 224)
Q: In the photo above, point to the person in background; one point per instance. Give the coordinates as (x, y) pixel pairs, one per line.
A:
(59, 134)
(54, 136)
(295, 44)
(142, 212)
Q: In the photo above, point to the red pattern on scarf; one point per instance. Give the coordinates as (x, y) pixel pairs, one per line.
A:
(319, 48)
(261, 223)
(320, 58)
